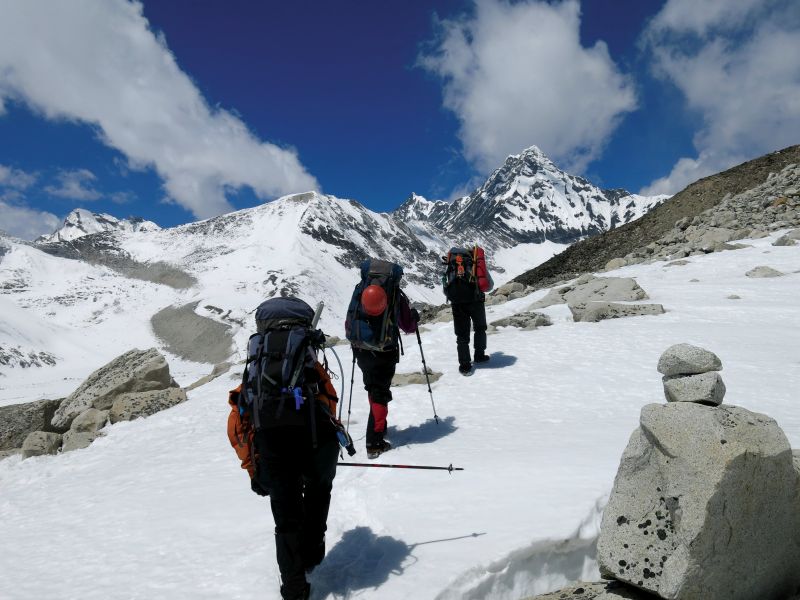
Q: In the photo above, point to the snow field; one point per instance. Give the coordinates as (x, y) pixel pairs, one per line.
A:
(160, 509)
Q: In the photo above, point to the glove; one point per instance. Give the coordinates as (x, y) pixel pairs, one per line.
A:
(256, 487)
(415, 315)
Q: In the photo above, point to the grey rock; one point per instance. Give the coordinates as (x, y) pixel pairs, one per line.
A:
(789, 239)
(39, 443)
(18, 420)
(516, 295)
(443, 316)
(134, 371)
(592, 312)
(402, 379)
(589, 289)
(219, 369)
(602, 590)
(734, 297)
(135, 405)
(704, 506)
(678, 263)
(616, 263)
(89, 421)
(686, 359)
(10, 453)
(509, 288)
(705, 388)
(76, 440)
(763, 271)
(526, 320)
(333, 340)
(495, 299)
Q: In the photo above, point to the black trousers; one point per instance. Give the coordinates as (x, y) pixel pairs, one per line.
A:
(299, 478)
(464, 314)
(377, 370)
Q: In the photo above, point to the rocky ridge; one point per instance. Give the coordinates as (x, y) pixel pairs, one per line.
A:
(767, 177)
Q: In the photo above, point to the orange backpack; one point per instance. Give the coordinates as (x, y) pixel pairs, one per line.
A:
(241, 431)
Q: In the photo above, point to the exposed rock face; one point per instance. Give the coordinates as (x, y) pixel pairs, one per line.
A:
(527, 321)
(134, 371)
(763, 271)
(134, 405)
(704, 505)
(41, 442)
(591, 312)
(76, 440)
(685, 359)
(192, 336)
(18, 420)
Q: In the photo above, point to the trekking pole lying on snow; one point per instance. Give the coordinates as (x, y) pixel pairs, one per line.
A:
(425, 369)
(449, 469)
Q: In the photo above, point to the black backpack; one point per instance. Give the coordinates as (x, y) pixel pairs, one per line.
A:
(379, 333)
(280, 379)
(459, 282)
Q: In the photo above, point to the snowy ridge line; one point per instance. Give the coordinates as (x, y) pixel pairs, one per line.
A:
(543, 566)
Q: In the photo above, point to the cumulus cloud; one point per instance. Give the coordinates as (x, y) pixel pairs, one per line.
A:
(516, 75)
(24, 222)
(738, 67)
(98, 62)
(75, 185)
(15, 179)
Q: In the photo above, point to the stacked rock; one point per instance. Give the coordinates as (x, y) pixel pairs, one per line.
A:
(691, 374)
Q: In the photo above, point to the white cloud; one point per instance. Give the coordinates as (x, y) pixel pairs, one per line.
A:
(15, 178)
(739, 69)
(98, 62)
(75, 185)
(517, 75)
(26, 223)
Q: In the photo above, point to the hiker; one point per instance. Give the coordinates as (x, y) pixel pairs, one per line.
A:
(283, 427)
(377, 312)
(465, 281)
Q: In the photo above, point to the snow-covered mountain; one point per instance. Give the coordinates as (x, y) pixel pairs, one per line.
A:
(529, 200)
(81, 222)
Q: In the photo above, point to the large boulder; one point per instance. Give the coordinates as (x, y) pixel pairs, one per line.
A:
(590, 288)
(39, 443)
(591, 312)
(704, 505)
(135, 405)
(76, 440)
(134, 371)
(763, 271)
(18, 420)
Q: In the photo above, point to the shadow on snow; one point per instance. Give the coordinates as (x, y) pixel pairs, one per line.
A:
(426, 433)
(499, 360)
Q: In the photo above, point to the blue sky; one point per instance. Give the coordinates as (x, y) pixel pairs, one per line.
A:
(179, 110)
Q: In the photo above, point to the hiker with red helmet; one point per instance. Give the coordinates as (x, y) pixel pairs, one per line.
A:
(377, 312)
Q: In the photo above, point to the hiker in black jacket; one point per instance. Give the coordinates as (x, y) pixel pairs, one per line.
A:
(465, 280)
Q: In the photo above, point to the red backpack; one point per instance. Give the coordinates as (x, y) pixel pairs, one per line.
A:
(485, 283)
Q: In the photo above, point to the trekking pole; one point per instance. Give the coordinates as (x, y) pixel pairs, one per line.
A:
(425, 370)
(449, 469)
(350, 401)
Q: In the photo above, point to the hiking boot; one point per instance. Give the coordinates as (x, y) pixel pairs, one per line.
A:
(465, 369)
(375, 450)
(482, 358)
(302, 594)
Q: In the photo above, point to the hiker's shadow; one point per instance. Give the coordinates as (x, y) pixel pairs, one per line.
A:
(428, 432)
(499, 360)
(360, 560)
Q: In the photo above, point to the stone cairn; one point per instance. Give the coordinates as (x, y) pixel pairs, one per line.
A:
(705, 502)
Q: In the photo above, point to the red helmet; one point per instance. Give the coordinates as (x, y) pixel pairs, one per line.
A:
(374, 300)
